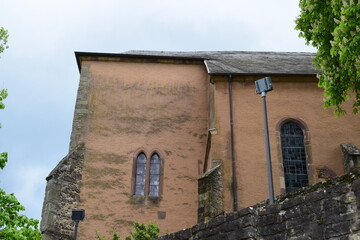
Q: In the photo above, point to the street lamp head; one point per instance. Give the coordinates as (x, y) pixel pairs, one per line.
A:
(78, 214)
(263, 85)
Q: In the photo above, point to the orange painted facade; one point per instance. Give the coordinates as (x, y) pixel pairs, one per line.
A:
(167, 106)
(296, 98)
(143, 107)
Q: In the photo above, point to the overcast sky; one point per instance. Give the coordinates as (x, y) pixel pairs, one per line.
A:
(40, 72)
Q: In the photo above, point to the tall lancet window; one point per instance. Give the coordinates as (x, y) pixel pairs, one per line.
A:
(140, 177)
(155, 170)
(294, 157)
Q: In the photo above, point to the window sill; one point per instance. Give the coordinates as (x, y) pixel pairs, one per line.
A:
(140, 199)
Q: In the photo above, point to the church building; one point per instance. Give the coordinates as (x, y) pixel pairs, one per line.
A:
(177, 138)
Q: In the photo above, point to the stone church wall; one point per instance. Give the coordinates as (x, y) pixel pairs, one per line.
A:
(62, 195)
(124, 109)
(328, 210)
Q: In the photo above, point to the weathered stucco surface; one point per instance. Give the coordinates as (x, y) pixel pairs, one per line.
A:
(142, 107)
(292, 97)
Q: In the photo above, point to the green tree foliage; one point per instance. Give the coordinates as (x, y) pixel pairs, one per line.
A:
(333, 27)
(13, 225)
(3, 39)
(3, 156)
(142, 232)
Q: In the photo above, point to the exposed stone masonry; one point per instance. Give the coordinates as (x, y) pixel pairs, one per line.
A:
(328, 210)
(351, 157)
(62, 195)
(210, 194)
(81, 114)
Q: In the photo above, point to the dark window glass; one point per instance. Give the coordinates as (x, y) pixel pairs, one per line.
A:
(155, 169)
(140, 174)
(294, 157)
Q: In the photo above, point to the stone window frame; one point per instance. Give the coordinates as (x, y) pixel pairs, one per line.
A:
(307, 144)
(148, 155)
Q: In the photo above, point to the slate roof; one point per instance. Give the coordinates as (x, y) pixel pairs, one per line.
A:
(247, 62)
(234, 62)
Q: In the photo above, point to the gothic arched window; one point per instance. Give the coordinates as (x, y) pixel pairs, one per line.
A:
(140, 176)
(147, 175)
(294, 156)
(155, 170)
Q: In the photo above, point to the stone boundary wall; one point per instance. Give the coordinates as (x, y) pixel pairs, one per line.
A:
(328, 210)
(61, 196)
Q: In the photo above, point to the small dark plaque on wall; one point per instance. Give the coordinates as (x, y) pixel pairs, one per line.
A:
(161, 215)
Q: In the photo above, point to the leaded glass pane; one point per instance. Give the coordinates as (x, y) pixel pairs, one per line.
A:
(140, 179)
(155, 168)
(139, 189)
(140, 174)
(141, 158)
(155, 180)
(155, 158)
(294, 156)
(141, 169)
(154, 190)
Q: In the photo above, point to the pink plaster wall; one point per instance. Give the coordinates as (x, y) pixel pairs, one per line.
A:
(294, 97)
(143, 107)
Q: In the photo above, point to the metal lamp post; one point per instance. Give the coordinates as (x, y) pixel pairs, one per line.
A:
(263, 86)
(77, 216)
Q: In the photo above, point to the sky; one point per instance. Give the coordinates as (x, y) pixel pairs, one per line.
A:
(40, 72)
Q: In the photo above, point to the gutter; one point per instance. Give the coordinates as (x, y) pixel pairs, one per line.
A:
(234, 181)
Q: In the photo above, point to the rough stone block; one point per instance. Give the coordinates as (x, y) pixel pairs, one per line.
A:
(229, 226)
(292, 212)
(247, 220)
(293, 222)
(329, 204)
(354, 236)
(245, 233)
(272, 229)
(184, 234)
(231, 216)
(246, 211)
(315, 230)
(338, 190)
(348, 198)
(275, 237)
(266, 220)
(335, 215)
(215, 222)
(355, 186)
(274, 208)
(337, 229)
(292, 202)
(316, 196)
(310, 208)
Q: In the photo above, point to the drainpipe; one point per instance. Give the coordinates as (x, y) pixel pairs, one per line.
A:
(234, 182)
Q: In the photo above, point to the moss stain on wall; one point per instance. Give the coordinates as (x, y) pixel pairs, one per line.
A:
(109, 158)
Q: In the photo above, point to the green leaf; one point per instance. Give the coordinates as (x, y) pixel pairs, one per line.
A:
(333, 28)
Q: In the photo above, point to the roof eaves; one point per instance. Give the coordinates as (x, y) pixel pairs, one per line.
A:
(79, 55)
(260, 74)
